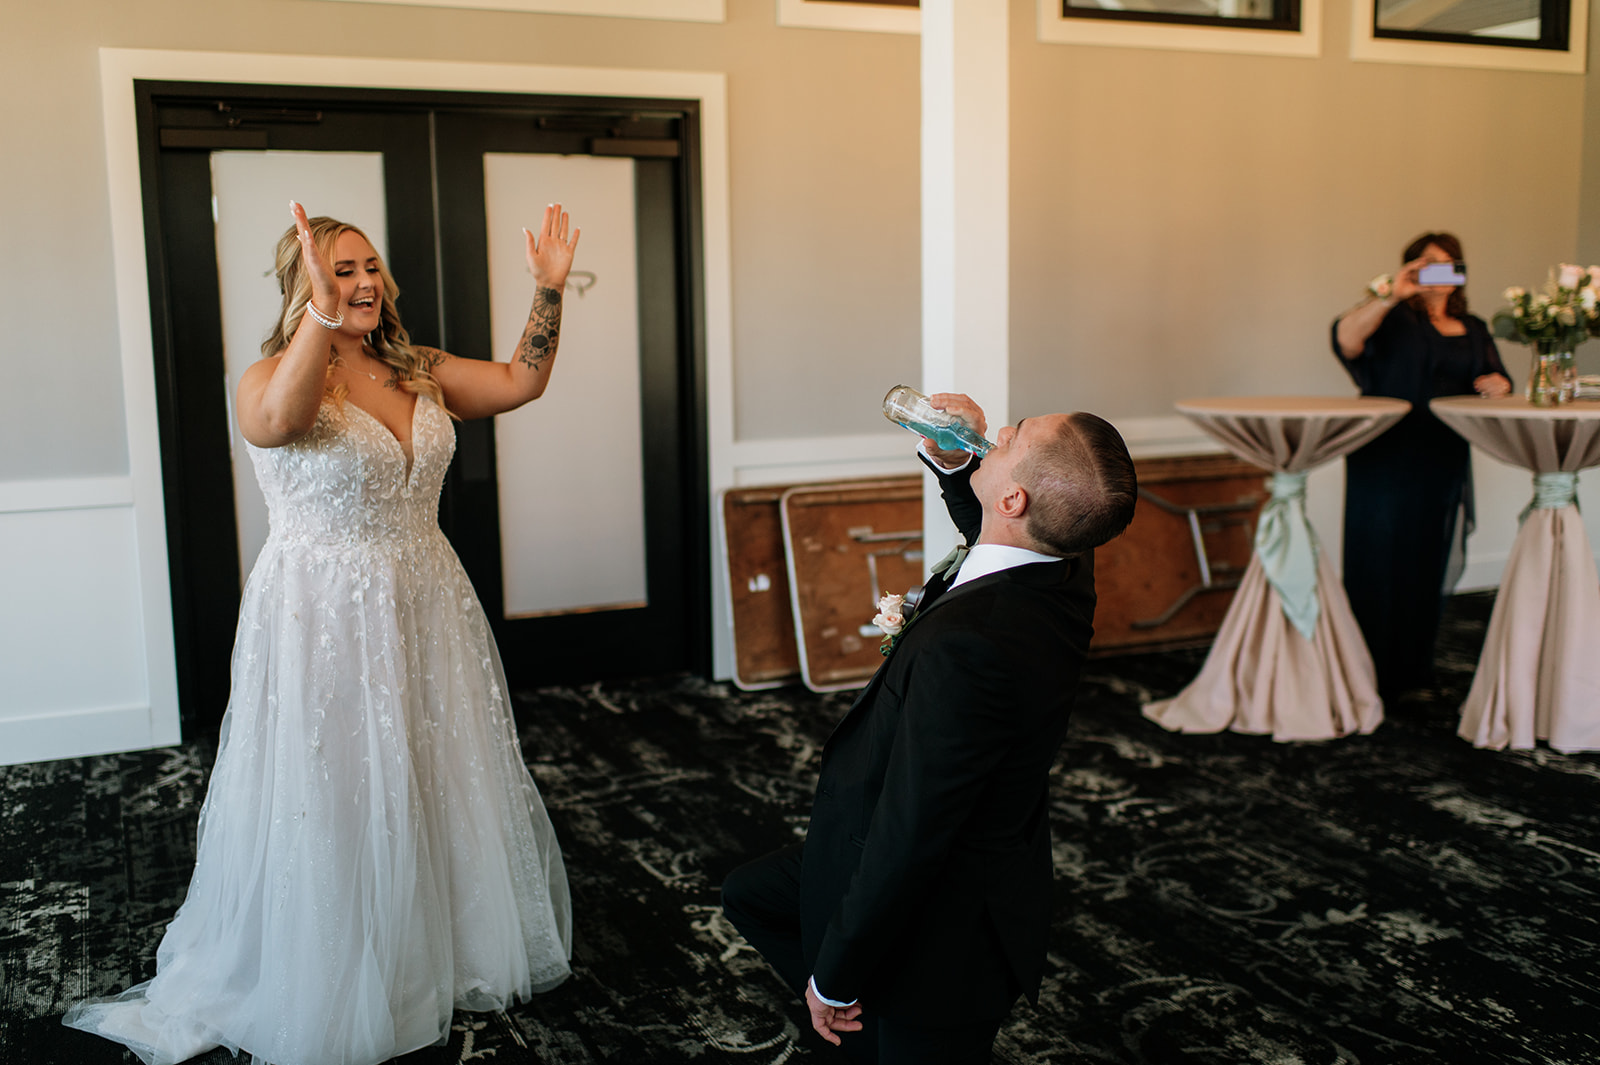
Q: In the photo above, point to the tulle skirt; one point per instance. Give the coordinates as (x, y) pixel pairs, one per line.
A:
(372, 850)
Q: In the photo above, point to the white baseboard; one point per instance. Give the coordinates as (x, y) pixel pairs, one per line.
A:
(1483, 572)
(79, 734)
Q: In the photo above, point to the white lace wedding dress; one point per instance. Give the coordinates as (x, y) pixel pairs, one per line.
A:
(372, 850)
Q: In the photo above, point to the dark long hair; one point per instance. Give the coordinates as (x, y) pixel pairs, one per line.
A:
(1456, 306)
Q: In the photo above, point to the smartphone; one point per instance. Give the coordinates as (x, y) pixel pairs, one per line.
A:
(1443, 273)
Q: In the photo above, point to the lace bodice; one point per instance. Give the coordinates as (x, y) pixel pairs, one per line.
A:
(348, 481)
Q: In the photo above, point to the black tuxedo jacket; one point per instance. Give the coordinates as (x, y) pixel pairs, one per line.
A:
(926, 869)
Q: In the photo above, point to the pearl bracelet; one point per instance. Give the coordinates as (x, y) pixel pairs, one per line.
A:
(321, 319)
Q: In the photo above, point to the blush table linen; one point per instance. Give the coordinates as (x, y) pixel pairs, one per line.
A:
(1281, 665)
(1538, 677)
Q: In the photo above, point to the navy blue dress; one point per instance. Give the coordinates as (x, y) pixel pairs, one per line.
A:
(1408, 493)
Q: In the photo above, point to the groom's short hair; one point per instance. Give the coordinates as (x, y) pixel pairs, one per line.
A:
(1081, 486)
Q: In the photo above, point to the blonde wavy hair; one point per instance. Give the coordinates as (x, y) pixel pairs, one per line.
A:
(389, 343)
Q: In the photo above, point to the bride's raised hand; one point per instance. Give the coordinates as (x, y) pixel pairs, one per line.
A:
(324, 286)
(550, 250)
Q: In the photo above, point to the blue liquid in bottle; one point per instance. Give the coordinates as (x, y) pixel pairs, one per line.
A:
(956, 437)
(906, 406)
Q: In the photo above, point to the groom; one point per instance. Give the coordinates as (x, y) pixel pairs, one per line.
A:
(916, 910)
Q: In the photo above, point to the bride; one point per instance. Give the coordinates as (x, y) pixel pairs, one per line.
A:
(372, 850)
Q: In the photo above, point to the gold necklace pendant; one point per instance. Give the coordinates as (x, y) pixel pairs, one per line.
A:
(337, 360)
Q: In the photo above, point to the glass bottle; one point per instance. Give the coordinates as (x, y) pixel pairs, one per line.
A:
(906, 406)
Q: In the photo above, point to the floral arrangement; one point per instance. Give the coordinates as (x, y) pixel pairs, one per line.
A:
(1559, 318)
(1382, 286)
(890, 619)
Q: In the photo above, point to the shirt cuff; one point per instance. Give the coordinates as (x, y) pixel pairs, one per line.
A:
(922, 450)
(826, 1001)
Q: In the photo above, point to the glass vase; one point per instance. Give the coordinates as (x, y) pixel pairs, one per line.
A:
(1552, 377)
(1566, 376)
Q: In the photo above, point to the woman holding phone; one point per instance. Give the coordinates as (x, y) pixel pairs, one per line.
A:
(1408, 493)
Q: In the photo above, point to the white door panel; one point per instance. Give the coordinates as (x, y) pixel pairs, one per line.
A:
(570, 466)
(250, 205)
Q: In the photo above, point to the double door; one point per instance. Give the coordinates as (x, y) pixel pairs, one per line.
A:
(581, 517)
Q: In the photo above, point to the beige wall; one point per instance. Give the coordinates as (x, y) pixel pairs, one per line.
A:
(1589, 189)
(823, 142)
(1188, 223)
(1181, 223)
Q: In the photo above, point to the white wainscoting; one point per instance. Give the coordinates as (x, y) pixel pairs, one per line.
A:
(75, 678)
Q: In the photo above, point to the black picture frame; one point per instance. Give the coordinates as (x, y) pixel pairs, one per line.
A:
(1285, 17)
(1555, 26)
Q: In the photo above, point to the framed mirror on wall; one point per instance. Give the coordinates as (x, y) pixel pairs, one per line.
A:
(1246, 27)
(1550, 36)
(1505, 23)
(1239, 14)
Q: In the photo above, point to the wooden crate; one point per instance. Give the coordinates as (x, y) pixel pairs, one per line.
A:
(847, 544)
(1168, 580)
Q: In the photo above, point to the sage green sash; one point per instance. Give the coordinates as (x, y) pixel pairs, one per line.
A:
(1288, 550)
(1551, 491)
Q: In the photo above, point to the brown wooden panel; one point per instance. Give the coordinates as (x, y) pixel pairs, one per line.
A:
(847, 545)
(764, 650)
(1149, 569)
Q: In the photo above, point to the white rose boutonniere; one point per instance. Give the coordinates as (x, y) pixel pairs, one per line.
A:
(1382, 286)
(890, 620)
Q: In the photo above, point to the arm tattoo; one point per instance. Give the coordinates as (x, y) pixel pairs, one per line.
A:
(427, 360)
(430, 358)
(539, 340)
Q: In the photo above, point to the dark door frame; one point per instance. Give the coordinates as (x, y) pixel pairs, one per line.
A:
(201, 538)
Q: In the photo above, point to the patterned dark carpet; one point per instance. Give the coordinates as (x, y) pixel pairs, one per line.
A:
(1384, 900)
